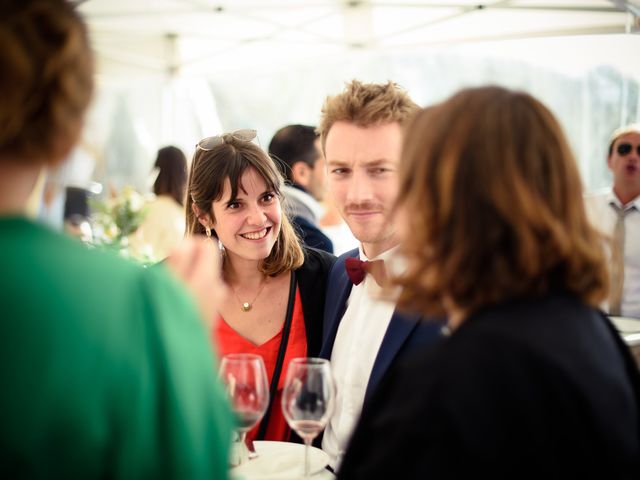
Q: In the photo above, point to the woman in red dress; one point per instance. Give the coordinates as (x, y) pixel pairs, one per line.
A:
(276, 301)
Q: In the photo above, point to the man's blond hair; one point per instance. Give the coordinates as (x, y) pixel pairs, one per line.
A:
(366, 104)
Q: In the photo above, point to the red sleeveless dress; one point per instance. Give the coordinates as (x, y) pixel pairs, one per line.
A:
(227, 340)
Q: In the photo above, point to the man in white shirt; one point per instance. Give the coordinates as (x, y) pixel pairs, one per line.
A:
(361, 138)
(616, 212)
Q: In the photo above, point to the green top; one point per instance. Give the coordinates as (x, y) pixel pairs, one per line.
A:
(105, 367)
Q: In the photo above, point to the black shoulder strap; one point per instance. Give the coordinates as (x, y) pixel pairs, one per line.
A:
(280, 360)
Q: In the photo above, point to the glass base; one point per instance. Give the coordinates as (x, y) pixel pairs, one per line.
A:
(239, 453)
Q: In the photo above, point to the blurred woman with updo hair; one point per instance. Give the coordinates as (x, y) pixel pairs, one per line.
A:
(533, 382)
(106, 369)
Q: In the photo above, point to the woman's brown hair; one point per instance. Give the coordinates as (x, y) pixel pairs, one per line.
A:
(492, 198)
(46, 79)
(230, 159)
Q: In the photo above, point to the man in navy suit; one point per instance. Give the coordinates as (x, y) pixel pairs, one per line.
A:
(363, 335)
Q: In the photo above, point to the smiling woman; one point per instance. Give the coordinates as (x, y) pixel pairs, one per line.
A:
(278, 286)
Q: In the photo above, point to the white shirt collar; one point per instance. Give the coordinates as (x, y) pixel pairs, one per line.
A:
(613, 198)
(394, 264)
(386, 255)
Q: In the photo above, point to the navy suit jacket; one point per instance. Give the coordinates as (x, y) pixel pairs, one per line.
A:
(405, 333)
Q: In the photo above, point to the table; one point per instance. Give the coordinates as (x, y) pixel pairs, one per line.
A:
(281, 461)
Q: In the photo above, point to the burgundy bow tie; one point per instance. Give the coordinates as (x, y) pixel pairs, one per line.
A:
(357, 269)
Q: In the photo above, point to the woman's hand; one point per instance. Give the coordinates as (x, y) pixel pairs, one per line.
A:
(196, 262)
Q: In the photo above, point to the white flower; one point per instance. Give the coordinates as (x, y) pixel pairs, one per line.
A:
(135, 200)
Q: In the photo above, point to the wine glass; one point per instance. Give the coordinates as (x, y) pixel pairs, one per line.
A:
(245, 378)
(307, 399)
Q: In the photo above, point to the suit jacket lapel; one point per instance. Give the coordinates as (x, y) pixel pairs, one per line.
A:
(398, 331)
(338, 292)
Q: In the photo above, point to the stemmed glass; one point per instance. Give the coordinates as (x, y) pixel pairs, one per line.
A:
(307, 399)
(245, 378)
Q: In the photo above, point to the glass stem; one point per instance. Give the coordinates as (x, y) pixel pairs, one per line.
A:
(307, 443)
(242, 450)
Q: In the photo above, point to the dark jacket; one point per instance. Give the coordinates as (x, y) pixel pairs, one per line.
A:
(406, 332)
(304, 220)
(311, 234)
(312, 279)
(541, 388)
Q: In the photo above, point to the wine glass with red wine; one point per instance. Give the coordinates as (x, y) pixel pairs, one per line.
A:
(245, 378)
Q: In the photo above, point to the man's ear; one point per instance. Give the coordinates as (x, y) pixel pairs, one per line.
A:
(203, 217)
(301, 173)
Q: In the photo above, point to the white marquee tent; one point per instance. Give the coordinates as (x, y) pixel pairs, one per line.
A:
(173, 71)
(210, 37)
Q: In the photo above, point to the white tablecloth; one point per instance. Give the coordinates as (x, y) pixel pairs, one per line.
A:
(282, 461)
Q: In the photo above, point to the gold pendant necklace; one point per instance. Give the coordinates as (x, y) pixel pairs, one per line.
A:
(247, 306)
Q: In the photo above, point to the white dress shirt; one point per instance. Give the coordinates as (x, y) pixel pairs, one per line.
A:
(356, 346)
(604, 217)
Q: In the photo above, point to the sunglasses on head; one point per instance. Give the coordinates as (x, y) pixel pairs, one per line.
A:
(209, 143)
(626, 148)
